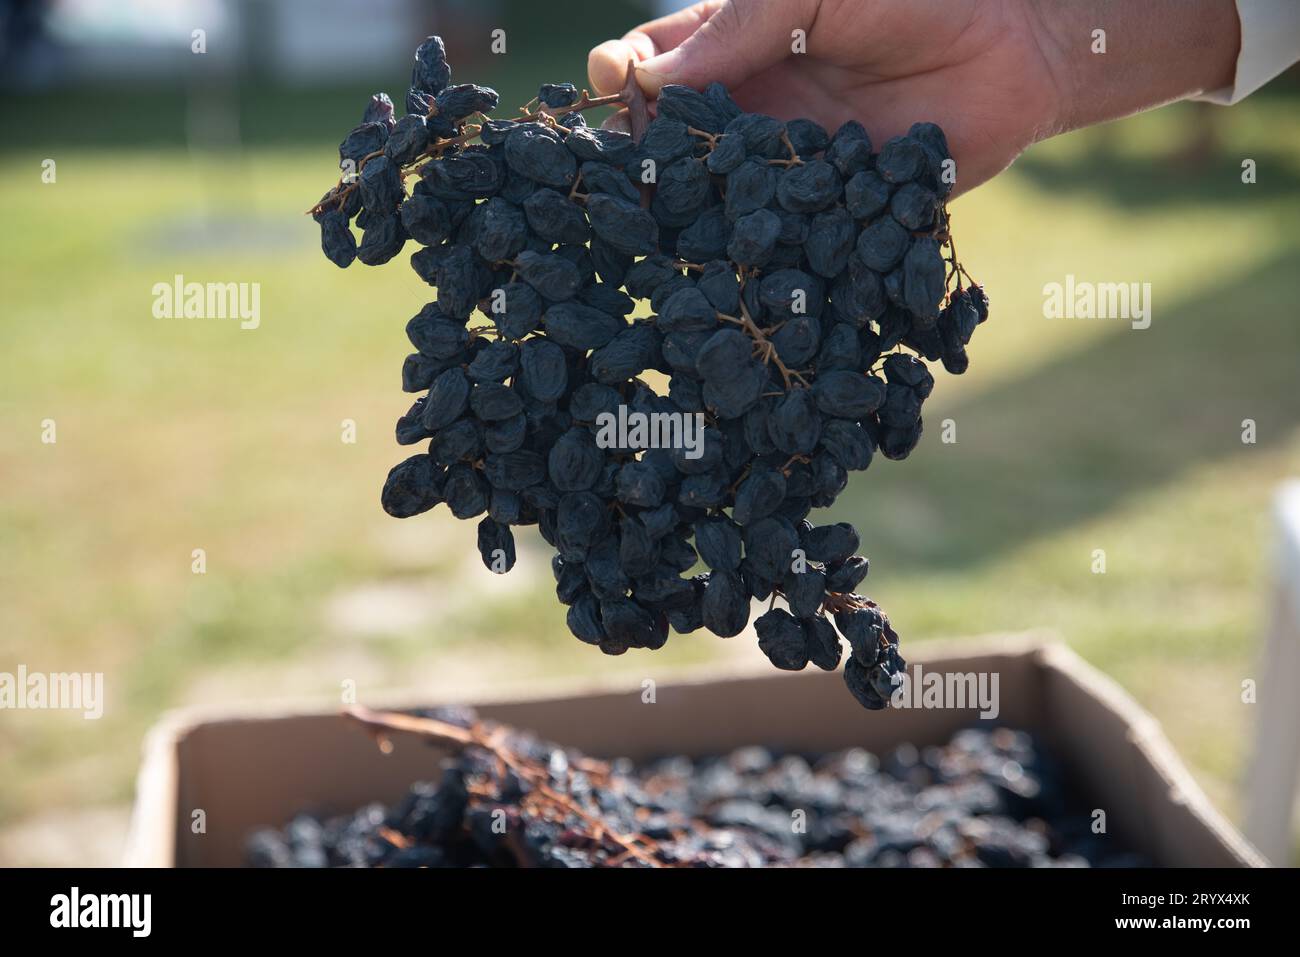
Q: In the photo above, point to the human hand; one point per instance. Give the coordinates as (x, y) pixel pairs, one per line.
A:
(996, 75)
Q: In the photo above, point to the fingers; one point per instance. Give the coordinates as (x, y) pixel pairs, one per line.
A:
(619, 121)
(739, 39)
(607, 63)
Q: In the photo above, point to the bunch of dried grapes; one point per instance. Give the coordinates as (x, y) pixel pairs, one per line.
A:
(787, 271)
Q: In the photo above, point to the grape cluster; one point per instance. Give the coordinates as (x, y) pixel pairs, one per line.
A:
(787, 269)
(988, 798)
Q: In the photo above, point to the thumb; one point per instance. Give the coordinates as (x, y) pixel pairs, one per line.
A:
(740, 39)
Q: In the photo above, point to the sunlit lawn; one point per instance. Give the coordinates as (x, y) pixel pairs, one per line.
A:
(175, 435)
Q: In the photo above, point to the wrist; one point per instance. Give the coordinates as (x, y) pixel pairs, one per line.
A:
(1145, 55)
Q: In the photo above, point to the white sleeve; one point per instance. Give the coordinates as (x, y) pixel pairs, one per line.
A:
(1270, 42)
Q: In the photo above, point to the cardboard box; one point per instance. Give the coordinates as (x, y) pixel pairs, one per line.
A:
(253, 770)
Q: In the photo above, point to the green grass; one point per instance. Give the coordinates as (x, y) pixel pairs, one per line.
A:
(1072, 435)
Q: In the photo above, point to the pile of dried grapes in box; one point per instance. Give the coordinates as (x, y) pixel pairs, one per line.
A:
(987, 798)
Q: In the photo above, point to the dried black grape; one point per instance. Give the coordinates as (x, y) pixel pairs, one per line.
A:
(492, 402)
(461, 441)
(553, 217)
(426, 219)
(807, 137)
(336, 239)
(830, 543)
(516, 309)
(848, 443)
(496, 362)
(464, 175)
(849, 395)
(882, 244)
(626, 355)
(381, 185)
(435, 335)
(514, 471)
(858, 679)
(707, 237)
(727, 154)
(580, 327)
(687, 310)
(665, 140)
(599, 178)
(538, 152)
(761, 134)
(465, 492)
(720, 287)
(606, 298)
(382, 240)
(758, 496)
(850, 149)
(496, 545)
(923, 277)
(583, 619)
(446, 400)
(623, 225)
(418, 372)
(361, 142)
(751, 186)
(593, 399)
(457, 282)
(544, 372)
(724, 607)
(914, 206)
(822, 642)
(379, 110)
(901, 160)
(457, 102)
(804, 591)
(553, 277)
(412, 487)
(431, 72)
(603, 146)
(574, 462)
(831, 238)
(557, 95)
(691, 107)
(407, 141)
(501, 229)
(683, 191)
(866, 195)
(808, 187)
(794, 424)
(753, 239)
(769, 548)
(781, 638)
(844, 577)
(507, 435)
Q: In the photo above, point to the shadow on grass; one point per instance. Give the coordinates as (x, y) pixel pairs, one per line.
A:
(1079, 436)
(1141, 183)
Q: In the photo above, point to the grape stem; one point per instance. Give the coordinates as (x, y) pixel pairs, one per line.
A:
(764, 346)
(382, 724)
(630, 95)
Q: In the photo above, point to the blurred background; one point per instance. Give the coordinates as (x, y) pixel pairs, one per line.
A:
(176, 435)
